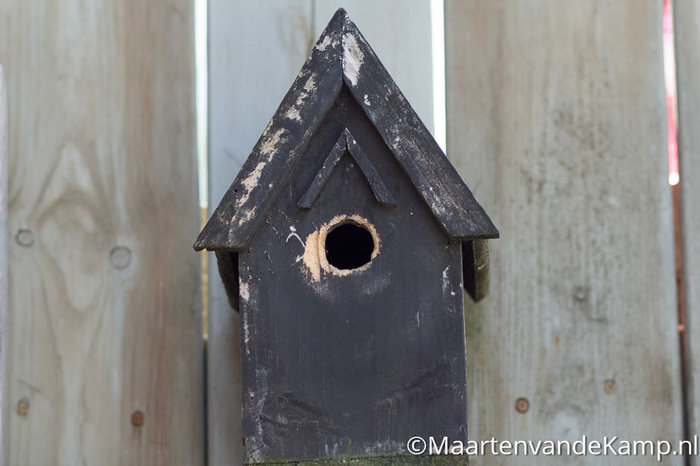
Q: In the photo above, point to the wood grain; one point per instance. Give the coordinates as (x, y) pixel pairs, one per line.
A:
(556, 120)
(3, 268)
(687, 33)
(104, 308)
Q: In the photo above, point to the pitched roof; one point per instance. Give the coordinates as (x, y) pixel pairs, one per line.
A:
(342, 57)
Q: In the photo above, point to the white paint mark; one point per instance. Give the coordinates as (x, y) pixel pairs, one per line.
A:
(418, 318)
(245, 291)
(367, 101)
(295, 235)
(352, 58)
(244, 322)
(445, 279)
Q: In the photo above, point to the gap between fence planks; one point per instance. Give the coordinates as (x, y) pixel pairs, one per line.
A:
(3, 268)
(104, 296)
(687, 40)
(255, 51)
(556, 120)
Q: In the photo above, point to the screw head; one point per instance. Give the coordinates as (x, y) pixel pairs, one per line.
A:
(609, 386)
(522, 405)
(138, 418)
(23, 408)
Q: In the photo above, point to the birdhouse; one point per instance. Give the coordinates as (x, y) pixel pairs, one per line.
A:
(346, 242)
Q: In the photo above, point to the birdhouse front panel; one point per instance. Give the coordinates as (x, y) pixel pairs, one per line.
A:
(345, 241)
(352, 314)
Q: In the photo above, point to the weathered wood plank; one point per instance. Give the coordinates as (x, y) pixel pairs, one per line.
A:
(104, 312)
(687, 33)
(3, 268)
(255, 51)
(556, 120)
(400, 34)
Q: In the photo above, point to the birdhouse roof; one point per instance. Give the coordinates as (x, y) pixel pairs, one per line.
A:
(342, 57)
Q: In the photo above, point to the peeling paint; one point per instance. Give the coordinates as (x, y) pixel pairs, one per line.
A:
(310, 86)
(251, 180)
(352, 58)
(269, 147)
(293, 114)
(323, 45)
(311, 83)
(244, 291)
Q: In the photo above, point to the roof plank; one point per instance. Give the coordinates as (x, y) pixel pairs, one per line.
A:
(279, 148)
(403, 131)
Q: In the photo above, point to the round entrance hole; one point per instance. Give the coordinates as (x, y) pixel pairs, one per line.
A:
(349, 246)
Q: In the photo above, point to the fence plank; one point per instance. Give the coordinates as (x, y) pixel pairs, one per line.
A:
(687, 32)
(3, 268)
(255, 51)
(556, 119)
(104, 313)
(399, 31)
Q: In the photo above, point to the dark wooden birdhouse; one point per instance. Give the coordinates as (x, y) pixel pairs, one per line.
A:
(345, 241)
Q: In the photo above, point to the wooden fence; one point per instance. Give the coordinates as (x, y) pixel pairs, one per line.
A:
(556, 119)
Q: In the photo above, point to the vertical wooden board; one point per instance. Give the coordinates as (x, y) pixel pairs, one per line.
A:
(687, 33)
(104, 308)
(400, 33)
(255, 51)
(3, 267)
(556, 120)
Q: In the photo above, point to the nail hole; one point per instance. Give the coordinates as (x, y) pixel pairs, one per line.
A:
(609, 387)
(23, 408)
(120, 257)
(522, 405)
(138, 418)
(25, 238)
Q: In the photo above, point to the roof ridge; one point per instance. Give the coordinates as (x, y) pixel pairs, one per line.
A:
(342, 58)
